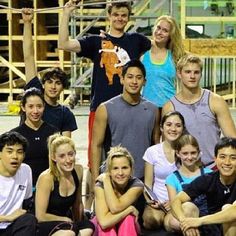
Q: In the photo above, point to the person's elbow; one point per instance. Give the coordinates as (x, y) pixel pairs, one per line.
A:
(69, 45)
(62, 45)
(103, 222)
(40, 216)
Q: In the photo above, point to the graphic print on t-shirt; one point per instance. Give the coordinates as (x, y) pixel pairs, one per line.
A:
(112, 58)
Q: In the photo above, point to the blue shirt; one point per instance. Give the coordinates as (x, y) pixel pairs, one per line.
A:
(160, 84)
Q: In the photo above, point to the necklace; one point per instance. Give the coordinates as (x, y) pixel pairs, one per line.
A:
(227, 188)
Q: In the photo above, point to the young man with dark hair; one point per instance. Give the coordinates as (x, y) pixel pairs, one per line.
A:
(109, 54)
(54, 81)
(132, 121)
(15, 187)
(220, 190)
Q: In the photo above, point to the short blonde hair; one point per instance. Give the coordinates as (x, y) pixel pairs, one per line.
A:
(54, 141)
(116, 152)
(189, 58)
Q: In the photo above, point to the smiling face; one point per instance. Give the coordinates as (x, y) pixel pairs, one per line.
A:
(65, 158)
(226, 163)
(189, 155)
(11, 158)
(120, 171)
(190, 75)
(172, 128)
(133, 81)
(52, 89)
(33, 108)
(118, 18)
(161, 33)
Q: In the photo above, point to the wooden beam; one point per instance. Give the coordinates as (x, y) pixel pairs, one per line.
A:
(12, 68)
(208, 19)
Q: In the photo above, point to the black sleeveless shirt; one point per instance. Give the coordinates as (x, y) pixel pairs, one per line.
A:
(59, 205)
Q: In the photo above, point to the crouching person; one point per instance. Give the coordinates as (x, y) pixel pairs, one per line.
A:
(220, 190)
(58, 202)
(116, 192)
(15, 187)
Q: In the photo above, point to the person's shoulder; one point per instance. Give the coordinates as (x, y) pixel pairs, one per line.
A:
(117, 98)
(135, 182)
(135, 35)
(25, 168)
(171, 177)
(207, 170)
(46, 176)
(50, 127)
(154, 148)
(34, 82)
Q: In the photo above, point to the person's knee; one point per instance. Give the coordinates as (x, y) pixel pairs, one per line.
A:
(153, 221)
(86, 232)
(171, 224)
(190, 209)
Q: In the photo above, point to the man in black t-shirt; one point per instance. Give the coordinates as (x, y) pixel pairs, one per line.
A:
(220, 190)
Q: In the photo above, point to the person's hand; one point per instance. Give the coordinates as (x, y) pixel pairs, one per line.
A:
(188, 223)
(71, 6)
(16, 214)
(102, 34)
(134, 212)
(102, 177)
(27, 14)
(191, 232)
(166, 205)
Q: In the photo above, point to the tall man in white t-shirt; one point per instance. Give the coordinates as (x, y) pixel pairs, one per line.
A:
(15, 187)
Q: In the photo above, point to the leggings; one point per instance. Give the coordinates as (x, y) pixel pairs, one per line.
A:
(127, 227)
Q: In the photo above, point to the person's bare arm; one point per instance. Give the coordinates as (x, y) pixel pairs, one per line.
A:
(220, 108)
(78, 207)
(118, 204)
(28, 49)
(105, 218)
(64, 42)
(168, 107)
(225, 216)
(98, 136)
(44, 187)
(148, 174)
(176, 205)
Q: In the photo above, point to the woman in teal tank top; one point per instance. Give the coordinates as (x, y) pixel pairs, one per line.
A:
(167, 48)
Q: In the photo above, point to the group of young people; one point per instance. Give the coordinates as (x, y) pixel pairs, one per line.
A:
(170, 144)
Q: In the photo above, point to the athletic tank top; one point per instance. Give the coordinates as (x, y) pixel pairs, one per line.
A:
(201, 123)
(160, 79)
(132, 127)
(60, 205)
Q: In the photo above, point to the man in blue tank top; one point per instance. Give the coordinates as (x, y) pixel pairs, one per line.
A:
(206, 114)
(132, 121)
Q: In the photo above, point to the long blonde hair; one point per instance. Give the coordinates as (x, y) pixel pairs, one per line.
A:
(54, 141)
(175, 44)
